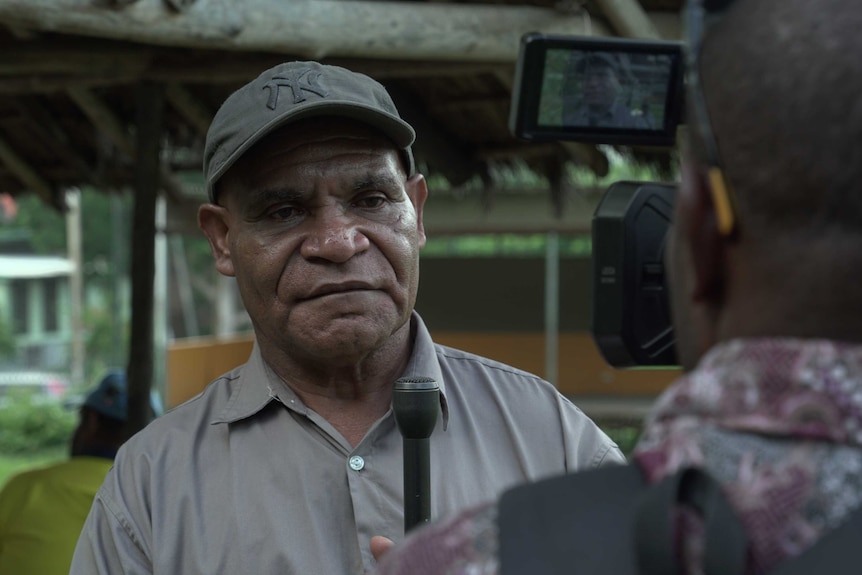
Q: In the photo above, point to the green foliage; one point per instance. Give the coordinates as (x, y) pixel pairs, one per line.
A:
(102, 251)
(505, 245)
(46, 226)
(32, 424)
(625, 436)
(99, 212)
(101, 347)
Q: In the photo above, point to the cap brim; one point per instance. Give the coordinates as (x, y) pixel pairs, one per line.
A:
(396, 129)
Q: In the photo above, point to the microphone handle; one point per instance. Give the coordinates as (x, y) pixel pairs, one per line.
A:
(415, 403)
(417, 483)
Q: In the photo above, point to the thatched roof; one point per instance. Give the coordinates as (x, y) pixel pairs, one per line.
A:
(119, 94)
(71, 73)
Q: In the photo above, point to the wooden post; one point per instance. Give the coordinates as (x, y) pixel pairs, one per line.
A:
(76, 284)
(628, 18)
(150, 109)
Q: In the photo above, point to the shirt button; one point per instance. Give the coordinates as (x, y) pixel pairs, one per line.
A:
(356, 463)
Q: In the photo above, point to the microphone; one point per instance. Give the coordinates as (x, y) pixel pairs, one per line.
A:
(415, 402)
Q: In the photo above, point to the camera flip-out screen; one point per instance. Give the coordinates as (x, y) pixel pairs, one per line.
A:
(612, 91)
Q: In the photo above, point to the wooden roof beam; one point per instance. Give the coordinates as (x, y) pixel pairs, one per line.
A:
(309, 29)
(105, 120)
(27, 175)
(628, 18)
(62, 65)
(189, 107)
(89, 59)
(50, 84)
(54, 136)
(442, 151)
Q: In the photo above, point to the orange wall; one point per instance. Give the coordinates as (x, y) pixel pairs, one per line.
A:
(193, 363)
(581, 368)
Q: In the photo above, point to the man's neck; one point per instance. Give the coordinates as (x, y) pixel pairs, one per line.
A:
(350, 393)
(806, 295)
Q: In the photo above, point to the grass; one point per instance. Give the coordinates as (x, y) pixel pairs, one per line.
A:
(12, 464)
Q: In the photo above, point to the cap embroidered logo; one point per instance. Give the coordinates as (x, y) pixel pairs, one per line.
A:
(294, 81)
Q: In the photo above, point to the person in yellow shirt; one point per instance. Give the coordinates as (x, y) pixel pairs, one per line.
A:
(43, 510)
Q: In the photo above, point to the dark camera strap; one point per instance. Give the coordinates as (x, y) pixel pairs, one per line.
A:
(608, 521)
(572, 524)
(837, 553)
(725, 543)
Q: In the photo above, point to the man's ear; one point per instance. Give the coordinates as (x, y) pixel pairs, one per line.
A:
(214, 221)
(707, 247)
(417, 191)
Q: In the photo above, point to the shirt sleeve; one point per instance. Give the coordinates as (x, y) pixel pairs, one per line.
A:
(586, 445)
(107, 546)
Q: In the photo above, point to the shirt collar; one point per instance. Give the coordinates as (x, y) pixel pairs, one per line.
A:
(258, 385)
(255, 388)
(424, 363)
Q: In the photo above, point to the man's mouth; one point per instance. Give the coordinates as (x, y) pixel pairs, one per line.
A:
(344, 287)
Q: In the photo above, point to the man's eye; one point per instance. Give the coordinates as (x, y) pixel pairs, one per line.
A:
(285, 212)
(371, 202)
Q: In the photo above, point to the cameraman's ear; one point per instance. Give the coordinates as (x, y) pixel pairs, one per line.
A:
(699, 229)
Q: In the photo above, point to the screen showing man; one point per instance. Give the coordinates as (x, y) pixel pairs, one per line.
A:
(596, 89)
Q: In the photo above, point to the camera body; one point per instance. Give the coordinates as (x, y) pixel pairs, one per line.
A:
(621, 92)
(631, 319)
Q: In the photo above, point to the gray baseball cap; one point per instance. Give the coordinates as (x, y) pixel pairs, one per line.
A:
(293, 91)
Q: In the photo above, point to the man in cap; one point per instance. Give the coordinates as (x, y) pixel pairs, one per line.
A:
(42, 510)
(765, 260)
(592, 94)
(292, 462)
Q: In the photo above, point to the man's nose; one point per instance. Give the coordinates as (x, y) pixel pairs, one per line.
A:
(334, 236)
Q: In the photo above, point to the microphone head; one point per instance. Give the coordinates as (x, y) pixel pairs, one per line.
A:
(416, 402)
(415, 384)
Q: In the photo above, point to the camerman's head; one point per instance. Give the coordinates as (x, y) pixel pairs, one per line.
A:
(768, 233)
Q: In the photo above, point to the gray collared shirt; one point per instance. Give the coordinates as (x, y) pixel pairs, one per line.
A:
(244, 478)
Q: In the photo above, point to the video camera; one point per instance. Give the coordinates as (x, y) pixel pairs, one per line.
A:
(622, 92)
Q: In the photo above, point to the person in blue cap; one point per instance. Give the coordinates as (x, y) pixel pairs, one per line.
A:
(43, 510)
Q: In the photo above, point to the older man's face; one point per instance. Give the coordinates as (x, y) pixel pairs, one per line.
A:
(600, 86)
(323, 231)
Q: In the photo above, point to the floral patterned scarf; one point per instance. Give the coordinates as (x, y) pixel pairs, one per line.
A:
(779, 423)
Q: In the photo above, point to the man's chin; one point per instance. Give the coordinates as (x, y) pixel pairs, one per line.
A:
(346, 333)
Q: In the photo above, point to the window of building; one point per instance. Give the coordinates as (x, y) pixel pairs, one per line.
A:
(50, 292)
(20, 306)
